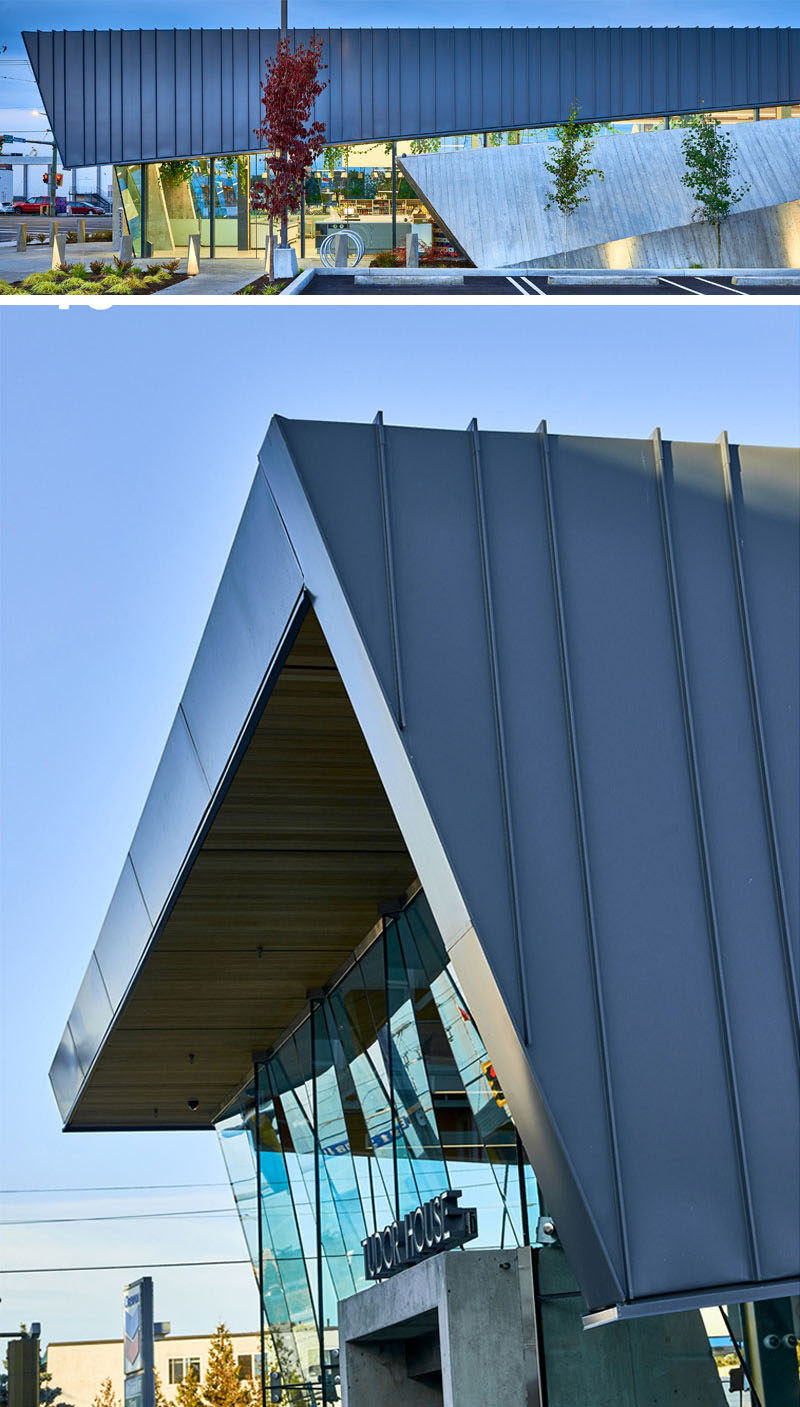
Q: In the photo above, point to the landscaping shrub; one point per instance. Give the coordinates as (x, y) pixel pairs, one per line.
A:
(123, 266)
(6, 287)
(172, 265)
(97, 266)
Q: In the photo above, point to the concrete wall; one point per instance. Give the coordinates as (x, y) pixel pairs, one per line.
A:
(461, 1329)
(492, 201)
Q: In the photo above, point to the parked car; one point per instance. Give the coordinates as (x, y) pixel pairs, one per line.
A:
(84, 207)
(38, 205)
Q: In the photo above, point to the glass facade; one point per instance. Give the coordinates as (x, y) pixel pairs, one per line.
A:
(383, 1096)
(349, 187)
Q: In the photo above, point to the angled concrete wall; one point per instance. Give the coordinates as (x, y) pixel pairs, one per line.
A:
(492, 201)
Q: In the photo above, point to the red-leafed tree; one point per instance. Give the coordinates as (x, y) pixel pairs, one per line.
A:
(293, 141)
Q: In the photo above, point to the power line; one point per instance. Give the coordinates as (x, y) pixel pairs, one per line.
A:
(132, 1265)
(123, 1216)
(137, 1187)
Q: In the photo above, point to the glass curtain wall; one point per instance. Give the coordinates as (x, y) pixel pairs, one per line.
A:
(382, 1097)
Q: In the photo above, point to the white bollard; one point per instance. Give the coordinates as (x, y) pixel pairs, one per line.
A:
(125, 247)
(193, 260)
(22, 238)
(59, 251)
(412, 251)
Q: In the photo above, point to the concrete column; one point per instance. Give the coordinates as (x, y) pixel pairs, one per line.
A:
(53, 231)
(412, 251)
(341, 252)
(81, 232)
(22, 238)
(126, 247)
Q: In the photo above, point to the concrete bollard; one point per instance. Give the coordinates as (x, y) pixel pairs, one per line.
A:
(53, 231)
(285, 262)
(81, 232)
(125, 246)
(341, 252)
(193, 260)
(22, 238)
(412, 251)
(59, 251)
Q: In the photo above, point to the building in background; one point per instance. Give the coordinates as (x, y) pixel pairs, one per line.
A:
(80, 1367)
(469, 863)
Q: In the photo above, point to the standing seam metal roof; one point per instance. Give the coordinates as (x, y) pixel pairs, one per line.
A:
(150, 94)
(574, 662)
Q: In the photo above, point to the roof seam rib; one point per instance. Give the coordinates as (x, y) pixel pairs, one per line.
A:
(732, 477)
(663, 474)
(583, 843)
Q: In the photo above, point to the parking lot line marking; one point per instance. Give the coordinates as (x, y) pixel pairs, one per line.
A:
(534, 286)
(725, 287)
(696, 292)
(518, 286)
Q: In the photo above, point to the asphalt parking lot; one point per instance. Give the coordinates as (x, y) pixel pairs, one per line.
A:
(519, 285)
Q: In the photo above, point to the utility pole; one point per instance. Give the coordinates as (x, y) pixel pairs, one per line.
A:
(284, 32)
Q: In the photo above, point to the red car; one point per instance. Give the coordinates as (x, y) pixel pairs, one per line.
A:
(38, 205)
(83, 207)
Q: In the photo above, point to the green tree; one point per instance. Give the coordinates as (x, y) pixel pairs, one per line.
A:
(160, 1397)
(105, 1395)
(570, 168)
(223, 1387)
(710, 157)
(188, 1392)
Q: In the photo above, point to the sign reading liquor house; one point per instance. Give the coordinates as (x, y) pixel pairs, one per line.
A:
(436, 1226)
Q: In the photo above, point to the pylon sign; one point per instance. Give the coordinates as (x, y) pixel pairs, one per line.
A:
(138, 1344)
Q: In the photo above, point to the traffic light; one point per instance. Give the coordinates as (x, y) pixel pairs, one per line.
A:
(59, 178)
(494, 1083)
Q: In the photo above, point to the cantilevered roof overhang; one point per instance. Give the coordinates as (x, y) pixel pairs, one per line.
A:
(151, 94)
(556, 680)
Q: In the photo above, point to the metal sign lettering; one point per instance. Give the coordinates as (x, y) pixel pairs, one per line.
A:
(436, 1226)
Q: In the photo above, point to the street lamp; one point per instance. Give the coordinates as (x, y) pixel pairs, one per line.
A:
(36, 112)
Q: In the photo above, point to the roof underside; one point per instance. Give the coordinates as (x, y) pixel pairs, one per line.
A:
(287, 880)
(574, 663)
(121, 95)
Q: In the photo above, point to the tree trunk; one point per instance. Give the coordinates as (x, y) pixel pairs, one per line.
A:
(271, 237)
(719, 244)
(565, 239)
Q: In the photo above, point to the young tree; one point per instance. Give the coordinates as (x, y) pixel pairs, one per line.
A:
(223, 1387)
(570, 168)
(710, 156)
(188, 1392)
(293, 142)
(160, 1396)
(105, 1395)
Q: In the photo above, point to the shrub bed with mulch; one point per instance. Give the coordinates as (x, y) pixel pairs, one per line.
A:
(101, 278)
(428, 259)
(264, 286)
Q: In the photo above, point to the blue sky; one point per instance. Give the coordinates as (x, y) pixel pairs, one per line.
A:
(17, 96)
(128, 440)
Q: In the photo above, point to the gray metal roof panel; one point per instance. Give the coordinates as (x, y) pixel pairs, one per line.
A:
(146, 95)
(639, 1039)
